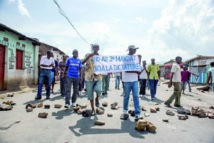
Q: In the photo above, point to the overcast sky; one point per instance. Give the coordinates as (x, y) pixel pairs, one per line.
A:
(162, 29)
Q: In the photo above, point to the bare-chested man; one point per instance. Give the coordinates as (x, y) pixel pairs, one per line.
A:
(62, 79)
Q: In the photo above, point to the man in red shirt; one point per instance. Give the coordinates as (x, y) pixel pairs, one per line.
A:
(185, 74)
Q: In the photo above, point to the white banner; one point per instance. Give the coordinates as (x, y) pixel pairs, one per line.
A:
(111, 64)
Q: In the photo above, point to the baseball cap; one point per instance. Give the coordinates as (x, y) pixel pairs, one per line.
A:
(132, 47)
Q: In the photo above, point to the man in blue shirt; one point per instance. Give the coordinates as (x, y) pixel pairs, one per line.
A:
(73, 69)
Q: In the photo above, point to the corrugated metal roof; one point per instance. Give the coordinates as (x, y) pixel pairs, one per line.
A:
(199, 57)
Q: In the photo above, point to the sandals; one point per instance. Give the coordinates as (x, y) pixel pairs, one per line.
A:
(170, 113)
(43, 115)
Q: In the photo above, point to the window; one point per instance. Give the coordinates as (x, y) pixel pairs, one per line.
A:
(5, 39)
(17, 43)
(19, 59)
(23, 45)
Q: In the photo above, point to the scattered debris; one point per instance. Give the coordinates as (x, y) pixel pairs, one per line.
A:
(146, 115)
(143, 108)
(170, 113)
(5, 107)
(165, 120)
(110, 115)
(57, 106)
(10, 95)
(99, 122)
(104, 104)
(153, 110)
(40, 105)
(183, 117)
(100, 110)
(43, 115)
(29, 109)
(47, 106)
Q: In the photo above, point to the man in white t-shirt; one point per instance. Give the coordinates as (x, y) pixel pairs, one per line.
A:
(46, 64)
(175, 79)
(130, 79)
(211, 76)
(143, 79)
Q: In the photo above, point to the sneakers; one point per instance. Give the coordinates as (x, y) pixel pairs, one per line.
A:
(66, 106)
(38, 98)
(80, 93)
(73, 104)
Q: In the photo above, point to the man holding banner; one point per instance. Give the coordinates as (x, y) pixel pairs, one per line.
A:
(130, 79)
(93, 80)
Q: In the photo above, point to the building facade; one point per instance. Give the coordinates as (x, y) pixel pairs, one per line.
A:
(18, 59)
(200, 66)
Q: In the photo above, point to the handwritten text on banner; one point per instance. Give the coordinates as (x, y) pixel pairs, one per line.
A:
(107, 64)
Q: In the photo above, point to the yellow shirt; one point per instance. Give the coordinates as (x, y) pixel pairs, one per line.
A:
(89, 70)
(153, 71)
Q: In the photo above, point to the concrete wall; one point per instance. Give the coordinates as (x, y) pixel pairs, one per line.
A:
(27, 76)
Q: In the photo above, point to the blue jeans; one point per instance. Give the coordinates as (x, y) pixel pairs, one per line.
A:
(44, 74)
(71, 82)
(117, 81)
(63, 86)
(104, 83)
(188, 82)
(128, 87)
(153, 87)
(147, 84)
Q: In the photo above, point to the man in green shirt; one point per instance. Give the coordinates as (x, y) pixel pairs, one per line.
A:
(154, 75)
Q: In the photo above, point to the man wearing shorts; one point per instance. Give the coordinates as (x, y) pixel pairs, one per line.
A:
(93, 81)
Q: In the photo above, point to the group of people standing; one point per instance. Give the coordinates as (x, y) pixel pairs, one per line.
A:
(75, 72)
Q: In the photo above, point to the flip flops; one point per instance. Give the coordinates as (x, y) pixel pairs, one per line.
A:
(170, 113)
(57, 106)
(183, 117)
(99, 122)
(150, 127)
(140, 125)
(43, 115)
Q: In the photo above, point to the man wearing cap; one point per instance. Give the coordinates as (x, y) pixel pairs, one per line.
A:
(46, 64)
(93, 81)
(154, 75)
(73, 68)
(130, 80)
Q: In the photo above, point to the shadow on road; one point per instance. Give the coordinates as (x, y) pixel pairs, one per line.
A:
(61, 114)
(85, 126)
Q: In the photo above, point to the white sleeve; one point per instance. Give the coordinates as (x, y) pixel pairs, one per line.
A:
(42, 61)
